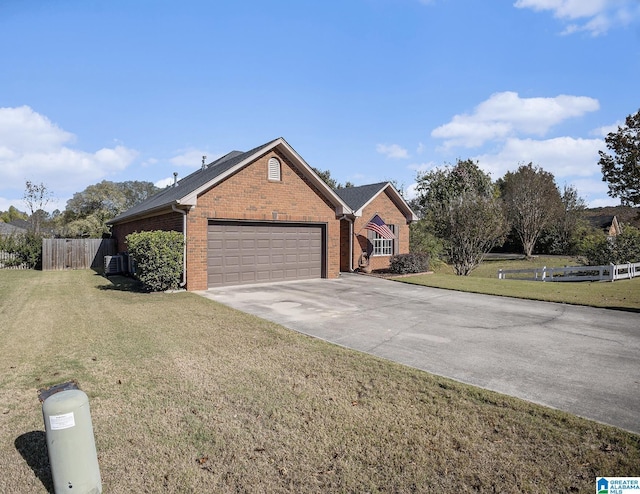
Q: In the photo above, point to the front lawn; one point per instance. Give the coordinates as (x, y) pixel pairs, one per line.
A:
(191, 396)
(621, 294)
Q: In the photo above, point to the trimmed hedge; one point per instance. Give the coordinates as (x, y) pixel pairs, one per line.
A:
(159, 258)
(409, 263)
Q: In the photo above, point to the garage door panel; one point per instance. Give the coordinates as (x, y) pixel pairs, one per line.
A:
(231, 260)
(250, 253)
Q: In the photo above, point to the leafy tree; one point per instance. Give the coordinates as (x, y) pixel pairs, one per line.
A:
(562, 236)
(461, 207)
(477, 224)
(532, 202)
(36, 197)
(88, 211)
(573, 207)
(599, 250)
(329, 180)
(621, 170)
(422, 239)
(13, 214)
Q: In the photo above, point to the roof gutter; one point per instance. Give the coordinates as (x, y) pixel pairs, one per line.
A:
(184, 243)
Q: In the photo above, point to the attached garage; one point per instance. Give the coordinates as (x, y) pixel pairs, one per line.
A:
(265, 215)
(240, 252)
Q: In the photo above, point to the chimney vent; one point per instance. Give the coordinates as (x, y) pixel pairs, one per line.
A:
(203, 160)
(175, 179)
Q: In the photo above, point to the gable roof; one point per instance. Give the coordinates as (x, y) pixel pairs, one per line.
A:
(7, 229)
(605, 222)
(359, 197)
(601, 221)
(185, 192)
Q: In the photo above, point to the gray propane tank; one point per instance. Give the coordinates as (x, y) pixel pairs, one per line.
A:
(70, 443)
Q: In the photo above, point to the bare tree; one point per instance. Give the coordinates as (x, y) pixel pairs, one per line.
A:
(532, 202)
(36, 197)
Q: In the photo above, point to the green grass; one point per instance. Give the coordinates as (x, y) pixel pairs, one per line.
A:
(191, 396)
(621, 294)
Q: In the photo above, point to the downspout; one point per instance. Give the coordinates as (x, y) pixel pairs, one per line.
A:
(184, 247)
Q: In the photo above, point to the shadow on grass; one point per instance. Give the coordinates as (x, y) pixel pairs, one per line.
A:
(625, 309)
(123, 284)
(33, 448)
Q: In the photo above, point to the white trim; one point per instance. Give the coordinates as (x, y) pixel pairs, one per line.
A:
(409, 214)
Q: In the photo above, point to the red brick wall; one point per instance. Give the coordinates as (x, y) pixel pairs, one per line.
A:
(168, 222)
(345, 251)
(385, 207)
(248, 195)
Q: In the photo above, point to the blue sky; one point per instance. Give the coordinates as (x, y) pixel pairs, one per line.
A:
(370, 89)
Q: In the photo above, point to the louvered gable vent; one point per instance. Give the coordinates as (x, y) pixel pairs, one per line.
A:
(274, 169)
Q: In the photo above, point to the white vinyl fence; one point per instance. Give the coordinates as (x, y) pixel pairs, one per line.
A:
(611, 272)
(8, 260)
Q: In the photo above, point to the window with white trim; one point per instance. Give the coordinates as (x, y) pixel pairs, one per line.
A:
(274, 173)
(382, 246)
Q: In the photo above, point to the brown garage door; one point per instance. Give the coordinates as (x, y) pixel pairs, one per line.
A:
(240, 252)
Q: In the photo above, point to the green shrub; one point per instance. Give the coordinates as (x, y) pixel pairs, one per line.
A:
(26, 248)
(159, 258)
(598, 250)
(409, 263)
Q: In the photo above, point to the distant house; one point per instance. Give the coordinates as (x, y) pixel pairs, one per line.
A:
(7, 229)
(265, 215)
(607, 223)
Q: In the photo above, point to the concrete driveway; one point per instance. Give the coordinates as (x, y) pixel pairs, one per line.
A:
(579, 359)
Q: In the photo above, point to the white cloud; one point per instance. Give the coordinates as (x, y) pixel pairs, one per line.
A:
(602, 202)
(165, 182)
(33, 148)
(392, 151)
(596, 16)
(22, 128)
(422, 167)
(411, 191)
(193, 157)
(606, 129)
(506, 114)
(562, 156)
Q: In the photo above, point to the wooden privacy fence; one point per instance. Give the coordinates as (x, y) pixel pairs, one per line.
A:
(76, 253)
(611, 272)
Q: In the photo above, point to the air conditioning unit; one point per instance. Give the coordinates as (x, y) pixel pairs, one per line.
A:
(128, 264)
(112, 265)
(133, 265)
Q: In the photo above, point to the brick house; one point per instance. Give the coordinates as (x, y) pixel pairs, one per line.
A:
(359, 244)
(265, 215)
